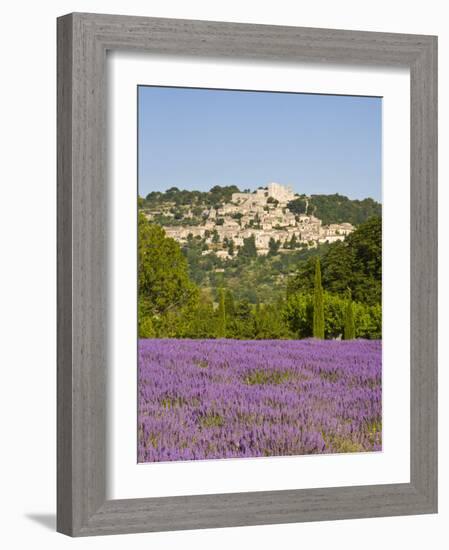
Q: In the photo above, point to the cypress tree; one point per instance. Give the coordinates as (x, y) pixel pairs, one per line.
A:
(221, 328)
(293, 242)
(349, 329)
(318, 307)
(229, 304)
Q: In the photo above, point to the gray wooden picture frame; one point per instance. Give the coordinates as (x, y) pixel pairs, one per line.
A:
(83, 40)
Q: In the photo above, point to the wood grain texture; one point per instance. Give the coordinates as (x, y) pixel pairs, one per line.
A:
(83, 40)
(423, 273)
(64, 278)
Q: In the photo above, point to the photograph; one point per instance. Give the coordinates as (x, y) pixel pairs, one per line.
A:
(259, 274)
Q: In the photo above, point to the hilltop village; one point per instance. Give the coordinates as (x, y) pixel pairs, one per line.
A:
(263, 215)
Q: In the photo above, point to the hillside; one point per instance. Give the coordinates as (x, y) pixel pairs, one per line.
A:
(253, 278)
(254, 242)
(215, 197)
(354, 264)
(184, 293)
(330, 209)
(338, 208)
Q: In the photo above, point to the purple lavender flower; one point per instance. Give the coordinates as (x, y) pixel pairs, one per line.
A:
(207, 399)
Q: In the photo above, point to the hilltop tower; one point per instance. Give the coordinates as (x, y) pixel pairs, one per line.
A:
(281, 193)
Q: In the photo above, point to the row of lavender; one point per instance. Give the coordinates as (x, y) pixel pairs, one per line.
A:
(205, 399)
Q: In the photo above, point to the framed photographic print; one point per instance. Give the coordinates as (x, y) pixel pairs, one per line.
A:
(246, 274)
(259, 306)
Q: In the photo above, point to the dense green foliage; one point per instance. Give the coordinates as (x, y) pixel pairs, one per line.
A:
(248, 250)
(221, 315)
(354, 264)
(251, 277)
(298, 206)
(338, 209)
(349, 328)
(184, 294)
(318, 308)
(216, 196)
(298, 314)
(163, 277)
(329, 208)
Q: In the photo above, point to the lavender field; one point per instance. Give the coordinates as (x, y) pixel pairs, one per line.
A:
(208, 399)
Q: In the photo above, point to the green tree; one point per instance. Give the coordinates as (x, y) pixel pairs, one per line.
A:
(355, 263)
(273, 246)
(199, 321)
(349, 332)
(269, 322)
(231, 248)
(297, 314)
(297, 206)
(221, 314)
(229, 304)
(368, 321)
(366, 249)
(163, 279)
(318, 308)
(248, 249)
(242, 326)
(338, 208)
(146, 328)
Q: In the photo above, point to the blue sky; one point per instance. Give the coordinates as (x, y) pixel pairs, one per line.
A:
(198, 138)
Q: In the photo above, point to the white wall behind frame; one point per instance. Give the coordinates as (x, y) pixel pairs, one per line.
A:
(28, 208)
